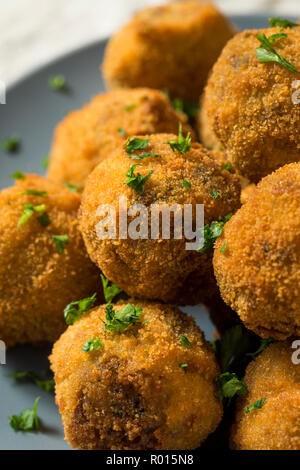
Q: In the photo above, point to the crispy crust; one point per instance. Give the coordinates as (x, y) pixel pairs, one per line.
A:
(160, 50)
(249, 104)
(132, 394)
(90, 135)
(158, 269)
(36, 283)
(276, 426)
(259, 273)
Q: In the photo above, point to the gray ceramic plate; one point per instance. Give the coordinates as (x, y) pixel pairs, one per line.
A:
(32, 111)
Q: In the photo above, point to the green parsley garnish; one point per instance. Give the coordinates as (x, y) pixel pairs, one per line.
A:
(264, 343)
(215, 194)
(255, 406)
(47, 385)
(75, 188)
(229, 385)
(227, 167)
(182, 144)
(212, 232)
(223, 249)
(129, 107)
(33, 192)
(137, 182)
(18, 175)
(11, 144)
(119, 321)
(28, 211)
(93, 344)
(190, 109)
(121, 132)
(44, 220)
(58, 83)
(74, 311)
(267, 53)
(60, 242)
(282, 23)
(185, 342)
(186, 184)
(132, 145)
(27, 420)
(110, 290)
(184, 366)
(45, 162)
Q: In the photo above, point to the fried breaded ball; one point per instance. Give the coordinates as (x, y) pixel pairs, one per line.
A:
(276, 425)
(259, 272)
(36, 281)
(249, 104)
(157, 269)
(169, 47)
(143, 389)
(247, 192)
(88, 136)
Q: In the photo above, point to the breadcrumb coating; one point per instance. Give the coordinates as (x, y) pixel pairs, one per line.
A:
(36, 282)
(161, 269)
(275, 426)
(132, 394)
(259, 272)
(169, 47)
(90, 135)
(249, 104)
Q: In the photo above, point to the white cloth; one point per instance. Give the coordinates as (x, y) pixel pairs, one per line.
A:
(32, 32)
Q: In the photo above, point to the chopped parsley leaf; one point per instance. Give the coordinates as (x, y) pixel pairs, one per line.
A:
(227, 167)
(186, 184)
(132, 145)
(58, 83)
(137, 181)
(44, 220)
(182, 144)
(60, 241)
(224, 246)
(282, 23)
(11, 144)
(18, 175)
(121, 132)
(33, 192)
(190, 109)
(93, 344)
(74, 311)
(256, 406)
(264, 343)
(185, 342)
(75, 188)
(110, 290)
(47, 385)
(267, 53)
(184, 366)
(144, 155)
(229, 385)
(27, 420)
(129, 107)
(28, 211)
(119, 321)
(215, 194)
(212, 232)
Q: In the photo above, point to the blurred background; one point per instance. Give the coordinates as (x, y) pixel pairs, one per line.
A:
(32, 32)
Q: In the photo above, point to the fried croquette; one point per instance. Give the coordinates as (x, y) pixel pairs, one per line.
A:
(145, 388)
(44, 264)
(259, 272)
(88, 136)
(276, 425)
(157, 268)
(169, 47)
(247, 192)
(249, 104)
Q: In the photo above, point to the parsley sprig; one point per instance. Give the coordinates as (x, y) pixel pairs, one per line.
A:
(255, 406)
(132, 145)
(110, 290)
(137, 181)
(211, 232)
(267, 53)
(11, 144)
(118, 321)
(27, 420)
(229, 386)
(74, 311)
(282, 23)
(60, 242)
(93, 344)
(28, 375)
(182, 144)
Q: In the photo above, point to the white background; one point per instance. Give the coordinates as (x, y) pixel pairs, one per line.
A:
(32, 32)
